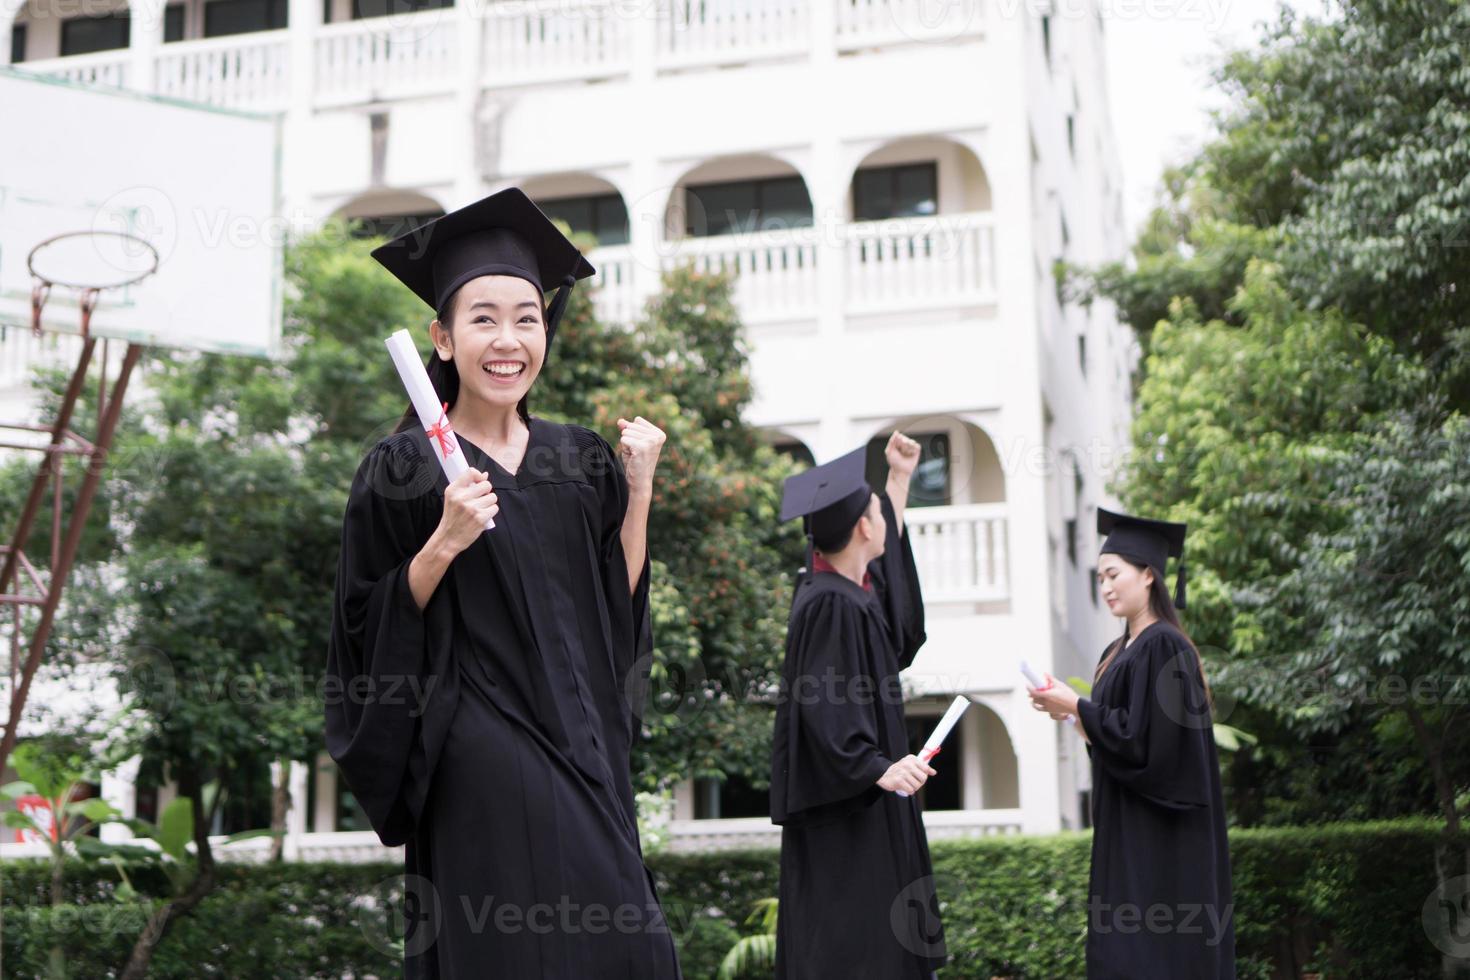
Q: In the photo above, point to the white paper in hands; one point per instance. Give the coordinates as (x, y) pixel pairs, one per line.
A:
(1040, 683)
(429, 409)
(936, 738)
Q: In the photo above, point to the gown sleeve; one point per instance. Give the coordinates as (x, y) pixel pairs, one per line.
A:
(1154, 737)
(378, 657)
(896, 582)
(832, 756)
(630, 619)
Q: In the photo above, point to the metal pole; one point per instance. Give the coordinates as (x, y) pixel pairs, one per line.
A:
(74, 530)
(38, 487)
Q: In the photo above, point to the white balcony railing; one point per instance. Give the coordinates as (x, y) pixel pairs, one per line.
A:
(901, 262)
(962, 553)
(775, 273)
(99, 68)
(526, 42)
(241, 71)
(868, 23)
(723, 31)
(550, 40)
(401, 56)
(613, 297)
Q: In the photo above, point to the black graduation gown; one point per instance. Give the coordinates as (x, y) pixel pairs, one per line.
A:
(491, 732)
(857, 891)
(1159, 903)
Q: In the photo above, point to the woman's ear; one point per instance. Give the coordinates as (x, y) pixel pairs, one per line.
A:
(443, 345)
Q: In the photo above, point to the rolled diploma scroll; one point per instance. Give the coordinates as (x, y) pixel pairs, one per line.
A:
(936, 739)
(427, 406)
(1039, 682)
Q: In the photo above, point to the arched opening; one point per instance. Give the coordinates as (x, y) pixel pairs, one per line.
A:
(588, 204)
(388, 214)
(918, 177)
(738, 195)
(958, 462)
(977, 769)
(999, 781)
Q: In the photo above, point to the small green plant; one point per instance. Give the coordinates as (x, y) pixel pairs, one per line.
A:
(755, 953)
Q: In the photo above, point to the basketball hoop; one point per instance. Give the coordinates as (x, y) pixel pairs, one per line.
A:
(96, 260)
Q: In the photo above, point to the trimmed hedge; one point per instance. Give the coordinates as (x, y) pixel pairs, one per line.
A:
(1340, 900)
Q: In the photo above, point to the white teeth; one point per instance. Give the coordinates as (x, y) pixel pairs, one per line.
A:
(504, 370)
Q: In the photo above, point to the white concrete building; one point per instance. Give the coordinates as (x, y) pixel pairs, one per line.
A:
(891, 180)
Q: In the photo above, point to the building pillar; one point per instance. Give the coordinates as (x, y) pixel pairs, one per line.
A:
(145, 38)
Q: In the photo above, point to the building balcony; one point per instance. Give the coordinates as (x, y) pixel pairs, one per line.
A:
(685, 836)
(411, 55)
(946, 260)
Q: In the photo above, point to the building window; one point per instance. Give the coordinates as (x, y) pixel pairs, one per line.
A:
(173, 23)
(1072, 135)
(1046, 38)
(1072, 541)
(224, 17)
(930, 484)
(906, 191)
(83, 35)
(743, 206)
(1092, 578)
(363, 9)
(601, 215)
(945, 790)
(350, 815)
(733, 796)
(390, 225)
(17, 43)
(797, 451)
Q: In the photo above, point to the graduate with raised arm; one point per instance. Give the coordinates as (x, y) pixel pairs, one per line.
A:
(857, 891)
(478, 704)
(1159, 901)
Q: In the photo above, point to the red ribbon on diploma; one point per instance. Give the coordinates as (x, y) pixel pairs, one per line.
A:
(442, 430)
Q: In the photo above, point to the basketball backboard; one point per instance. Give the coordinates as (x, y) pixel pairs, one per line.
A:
(200, 185)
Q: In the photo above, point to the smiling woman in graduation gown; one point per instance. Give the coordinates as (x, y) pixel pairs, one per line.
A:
(856, 891)
(1159, 898)
(489, 731)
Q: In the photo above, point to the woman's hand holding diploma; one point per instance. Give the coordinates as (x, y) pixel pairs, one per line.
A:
(907, 775)
(469, 504)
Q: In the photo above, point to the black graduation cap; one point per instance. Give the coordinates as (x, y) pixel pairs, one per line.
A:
(831, 498)
(1148, 541)
(504, 234)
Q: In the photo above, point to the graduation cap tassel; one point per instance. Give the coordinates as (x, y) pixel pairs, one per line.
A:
(1179, 591)
(557, 306)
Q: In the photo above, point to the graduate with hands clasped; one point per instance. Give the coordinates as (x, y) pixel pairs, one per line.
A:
(856, 890)
(485, 719)
(1159, 898)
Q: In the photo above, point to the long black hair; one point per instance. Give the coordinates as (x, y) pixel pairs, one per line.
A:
(1161, 604)
(444, 376)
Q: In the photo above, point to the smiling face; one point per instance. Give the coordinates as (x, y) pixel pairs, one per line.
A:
(1123, 585)
(496, 337)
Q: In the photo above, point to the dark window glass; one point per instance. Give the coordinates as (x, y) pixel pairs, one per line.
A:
(1046, 38)
(601, 215)
(350, 815)
(944, 790)
(1082, 352)
(363, 9)
(224, 17)
(1072, 541)
(930, 484)
(173, 23)
(734, 797)
(390, 226)
(905, 191)
(83, 35)
(796, 451)
(1092, 577)
(742, 206)
(17, 43)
